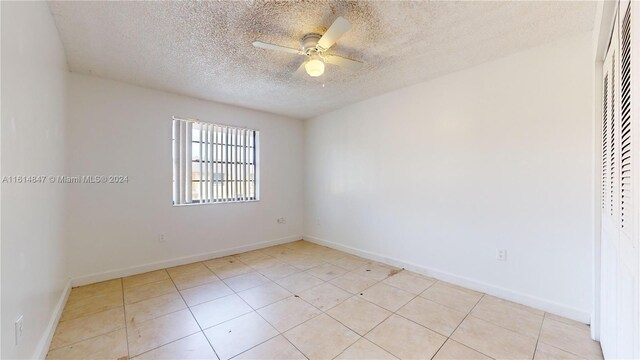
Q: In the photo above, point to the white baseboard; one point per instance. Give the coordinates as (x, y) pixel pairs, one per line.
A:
(139, 269)
(497, 291)
(45, 341)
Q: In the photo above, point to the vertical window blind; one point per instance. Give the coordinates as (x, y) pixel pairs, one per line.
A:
(213, 163)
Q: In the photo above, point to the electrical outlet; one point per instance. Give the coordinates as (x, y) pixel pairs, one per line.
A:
(19, 327)
(282, 220)
(501, 255)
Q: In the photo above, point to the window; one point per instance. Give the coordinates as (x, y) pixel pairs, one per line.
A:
(213, 163)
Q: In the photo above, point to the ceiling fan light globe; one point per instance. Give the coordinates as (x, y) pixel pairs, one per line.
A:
(314, 67)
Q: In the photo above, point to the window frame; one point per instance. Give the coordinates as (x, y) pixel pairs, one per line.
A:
(256, 162)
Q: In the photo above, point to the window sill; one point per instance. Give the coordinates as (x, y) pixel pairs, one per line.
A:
(216, 203)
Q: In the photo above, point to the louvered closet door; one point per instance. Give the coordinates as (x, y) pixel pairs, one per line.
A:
(628, 341)
(620, 263)
(609, 236)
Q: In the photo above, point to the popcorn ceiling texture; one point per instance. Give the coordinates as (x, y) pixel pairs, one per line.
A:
(203, 49)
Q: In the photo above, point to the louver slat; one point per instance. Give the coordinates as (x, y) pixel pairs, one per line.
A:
(605, 143)
(625, 124)
(612, 140)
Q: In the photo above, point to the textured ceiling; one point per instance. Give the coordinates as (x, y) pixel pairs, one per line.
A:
(203, 49)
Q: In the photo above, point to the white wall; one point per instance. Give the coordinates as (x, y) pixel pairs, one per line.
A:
(119, 129)
(34, 74)
(442, 174)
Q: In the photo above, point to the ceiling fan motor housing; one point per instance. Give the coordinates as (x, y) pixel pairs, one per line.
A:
(309, 43)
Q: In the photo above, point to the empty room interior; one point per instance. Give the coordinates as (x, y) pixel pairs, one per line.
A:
(320, 180)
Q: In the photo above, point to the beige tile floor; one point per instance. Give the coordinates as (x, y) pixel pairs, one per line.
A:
(301, 300)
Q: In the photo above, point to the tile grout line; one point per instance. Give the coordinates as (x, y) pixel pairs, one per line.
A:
(151, 282)
(322, 311)
(189, 307)
(424, 326)
(71, 310)
(454, 330)
(302, 299)
(293, 295)
(193, 316)
(90, 314)
(499, 325)
(553, 346)
(306, 302)
(485, 320)
(169, 313)
(124, 313)
(357, 295)
(392, 312)
(255, 310)
(236, 294)
(89, 338)
(170, 342)
(262, 317)
(437, 303)
(535, 349)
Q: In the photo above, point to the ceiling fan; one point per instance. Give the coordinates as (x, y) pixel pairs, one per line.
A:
(314, 47)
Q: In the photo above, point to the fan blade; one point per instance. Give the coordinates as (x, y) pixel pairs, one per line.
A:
(263, 45)
(335, 31)
(343, 62)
